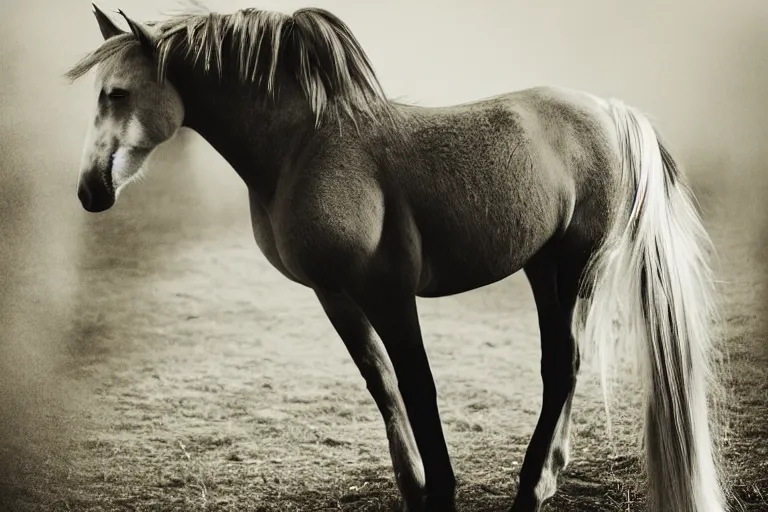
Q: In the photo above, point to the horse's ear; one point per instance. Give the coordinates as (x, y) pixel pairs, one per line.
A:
(142, 33)
(106, 25)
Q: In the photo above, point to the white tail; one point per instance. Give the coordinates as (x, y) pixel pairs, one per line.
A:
(651, 288)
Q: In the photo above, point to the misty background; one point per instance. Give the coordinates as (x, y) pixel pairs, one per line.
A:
(698, 67)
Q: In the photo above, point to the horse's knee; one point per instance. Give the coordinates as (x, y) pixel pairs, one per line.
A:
(414, 386)
(379, 380)
(559, 375)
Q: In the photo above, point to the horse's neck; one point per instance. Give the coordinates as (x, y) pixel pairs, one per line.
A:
(257, 137)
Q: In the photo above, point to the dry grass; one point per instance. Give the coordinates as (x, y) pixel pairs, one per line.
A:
(199, 379)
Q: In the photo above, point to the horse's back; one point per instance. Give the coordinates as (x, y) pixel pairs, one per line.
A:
(490, 183)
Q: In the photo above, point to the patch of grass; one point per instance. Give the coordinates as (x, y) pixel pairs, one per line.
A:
(192, 405)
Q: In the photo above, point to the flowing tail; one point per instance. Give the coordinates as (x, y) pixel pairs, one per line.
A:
(650, 287)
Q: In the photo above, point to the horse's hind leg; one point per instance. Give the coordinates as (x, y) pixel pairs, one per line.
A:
(555, 287)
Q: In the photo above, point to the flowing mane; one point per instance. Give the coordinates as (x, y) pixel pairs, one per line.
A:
(318, 48)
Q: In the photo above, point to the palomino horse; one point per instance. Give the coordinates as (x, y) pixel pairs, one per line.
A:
(372, 203)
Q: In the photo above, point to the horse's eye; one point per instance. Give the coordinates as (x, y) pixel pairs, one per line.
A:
(117, 94)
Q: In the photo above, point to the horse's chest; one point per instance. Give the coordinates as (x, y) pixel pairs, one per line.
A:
(263, 234)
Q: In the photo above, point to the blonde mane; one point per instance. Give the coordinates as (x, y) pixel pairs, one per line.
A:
(326, 59)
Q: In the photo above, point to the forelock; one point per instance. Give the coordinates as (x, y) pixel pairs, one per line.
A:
(107, 56)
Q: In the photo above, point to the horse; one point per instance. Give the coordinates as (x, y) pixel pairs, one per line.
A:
(372, 203)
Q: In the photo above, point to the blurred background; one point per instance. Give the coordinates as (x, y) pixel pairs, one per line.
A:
(69, 280)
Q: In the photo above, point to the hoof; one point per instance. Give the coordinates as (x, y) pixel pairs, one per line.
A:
(440, 504)
(432, 504)
(525, 504)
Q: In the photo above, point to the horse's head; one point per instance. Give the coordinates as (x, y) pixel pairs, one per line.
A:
(135, 112)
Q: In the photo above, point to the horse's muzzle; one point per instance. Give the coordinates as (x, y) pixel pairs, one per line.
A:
(95, 191)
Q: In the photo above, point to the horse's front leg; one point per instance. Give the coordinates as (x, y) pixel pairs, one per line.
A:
(374, 364)
(393, 314)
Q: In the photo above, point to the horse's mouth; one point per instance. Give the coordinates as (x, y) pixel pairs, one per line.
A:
(96, 191)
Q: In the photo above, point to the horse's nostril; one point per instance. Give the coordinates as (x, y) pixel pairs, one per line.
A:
(85, 196)
(93, 194)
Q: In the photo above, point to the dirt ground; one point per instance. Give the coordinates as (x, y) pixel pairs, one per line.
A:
(194, 377)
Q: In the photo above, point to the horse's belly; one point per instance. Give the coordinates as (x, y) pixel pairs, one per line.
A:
(440, 283)
(471, 259)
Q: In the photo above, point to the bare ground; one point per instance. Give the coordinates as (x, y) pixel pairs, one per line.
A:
(196, 378)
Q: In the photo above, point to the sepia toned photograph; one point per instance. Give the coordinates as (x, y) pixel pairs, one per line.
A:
(368, 256)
